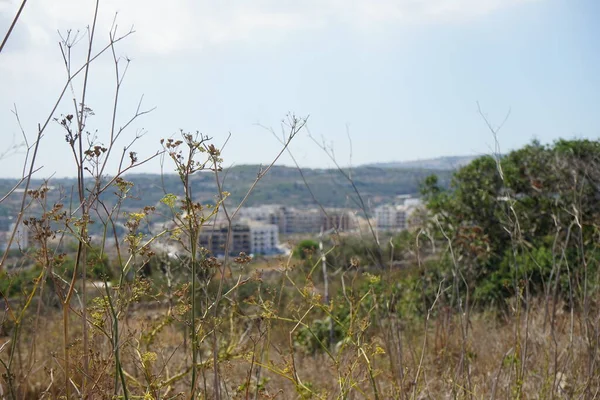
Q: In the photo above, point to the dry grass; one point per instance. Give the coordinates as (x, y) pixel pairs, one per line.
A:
(503, 359)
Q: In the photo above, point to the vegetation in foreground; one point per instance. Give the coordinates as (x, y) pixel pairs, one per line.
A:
(494, 294)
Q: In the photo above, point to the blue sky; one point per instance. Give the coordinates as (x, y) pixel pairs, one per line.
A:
(405, 76)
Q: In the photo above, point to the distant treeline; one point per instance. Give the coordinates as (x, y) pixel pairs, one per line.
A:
(282, 185)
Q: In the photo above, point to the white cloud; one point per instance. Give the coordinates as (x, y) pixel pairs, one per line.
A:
(165, 27)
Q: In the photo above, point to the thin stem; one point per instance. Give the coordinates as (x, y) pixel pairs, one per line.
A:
(12, 25)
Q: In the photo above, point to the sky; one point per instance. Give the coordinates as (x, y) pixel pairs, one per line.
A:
(379, 80)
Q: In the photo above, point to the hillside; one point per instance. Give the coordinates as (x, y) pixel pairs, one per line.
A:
(282, 185)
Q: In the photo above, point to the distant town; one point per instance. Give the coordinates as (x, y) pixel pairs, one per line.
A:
(280, 208)
(256, 230)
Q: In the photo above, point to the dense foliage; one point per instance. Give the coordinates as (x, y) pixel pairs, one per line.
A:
(526, 220)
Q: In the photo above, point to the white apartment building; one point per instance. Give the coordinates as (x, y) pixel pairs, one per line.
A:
(390, 217)
(264, 238)
(291, 220)
(287, 219)
(395, 217)
(250, 237)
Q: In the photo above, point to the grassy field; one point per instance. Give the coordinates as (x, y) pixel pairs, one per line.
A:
(271, 339)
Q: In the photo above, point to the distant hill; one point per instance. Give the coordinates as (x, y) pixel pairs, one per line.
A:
(285, 185)
(439, 163)
(282, 185)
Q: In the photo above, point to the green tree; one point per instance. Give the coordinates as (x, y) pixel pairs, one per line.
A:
(502, 215)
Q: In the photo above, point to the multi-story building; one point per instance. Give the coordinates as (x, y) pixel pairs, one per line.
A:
(307, 220)
(215, 238)
(337, 219)
(250, 237)
(395, 217)
(264, 238)
(264, 213)
(386, 216)
(292, 220)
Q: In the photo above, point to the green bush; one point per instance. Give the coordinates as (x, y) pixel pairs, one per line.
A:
(306, 249)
